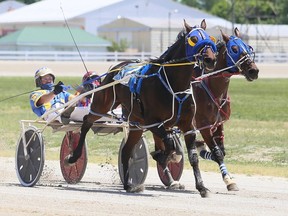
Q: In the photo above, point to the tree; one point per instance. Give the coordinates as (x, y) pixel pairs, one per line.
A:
(242, 11)
(119, 47)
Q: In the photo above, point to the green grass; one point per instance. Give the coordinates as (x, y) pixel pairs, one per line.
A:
(255, 136)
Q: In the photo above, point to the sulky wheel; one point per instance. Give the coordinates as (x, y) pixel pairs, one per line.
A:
(72, 174)
(29, 158)
(176, 169)
(138, 165)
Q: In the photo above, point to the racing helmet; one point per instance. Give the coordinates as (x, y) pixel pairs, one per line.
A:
(42, 72)
(92, 75)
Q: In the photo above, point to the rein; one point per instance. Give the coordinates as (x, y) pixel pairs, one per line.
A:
(216, 74)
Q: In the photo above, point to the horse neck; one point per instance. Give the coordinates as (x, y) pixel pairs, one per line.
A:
(179, 76)
(219, 83)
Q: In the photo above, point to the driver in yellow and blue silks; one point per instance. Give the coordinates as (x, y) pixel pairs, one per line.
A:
(49, 96)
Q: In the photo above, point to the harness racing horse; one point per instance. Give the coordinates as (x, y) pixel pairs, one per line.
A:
(161, 99)
(213, 103)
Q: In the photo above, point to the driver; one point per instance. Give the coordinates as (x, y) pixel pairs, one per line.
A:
(90, 80)
(49, 96)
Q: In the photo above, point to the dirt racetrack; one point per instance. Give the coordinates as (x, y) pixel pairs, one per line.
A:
(76, 68)
(100, 193)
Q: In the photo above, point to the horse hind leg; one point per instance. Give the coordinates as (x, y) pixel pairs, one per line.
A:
(168, 152)
(158, 155)
(129, 184)
(88, 121)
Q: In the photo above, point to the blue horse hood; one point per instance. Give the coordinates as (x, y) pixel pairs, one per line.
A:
(203, 39)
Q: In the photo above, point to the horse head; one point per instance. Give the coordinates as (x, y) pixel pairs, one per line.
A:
(200, 46)
(240, 56)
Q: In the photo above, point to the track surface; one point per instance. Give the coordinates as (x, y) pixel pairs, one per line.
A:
(28, 68)
(100, 193)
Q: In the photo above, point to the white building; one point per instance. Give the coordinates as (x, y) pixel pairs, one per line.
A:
(147, 25)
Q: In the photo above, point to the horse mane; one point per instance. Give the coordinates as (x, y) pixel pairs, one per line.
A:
(219, 45)
(165, 56)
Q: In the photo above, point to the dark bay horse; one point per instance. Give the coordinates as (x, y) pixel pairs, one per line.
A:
(213, 103)
(164, 100)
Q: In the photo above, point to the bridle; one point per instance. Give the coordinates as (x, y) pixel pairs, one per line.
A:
(233, 57)
(196, 49)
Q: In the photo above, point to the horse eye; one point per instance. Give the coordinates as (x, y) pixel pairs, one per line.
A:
(234, 49)
(194, 39)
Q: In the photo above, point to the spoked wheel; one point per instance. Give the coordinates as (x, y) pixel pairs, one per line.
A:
(72, 174)
(29, 166)
(176, 169)
(138, 164)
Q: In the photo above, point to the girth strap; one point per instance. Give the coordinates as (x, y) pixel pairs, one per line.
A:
(179, 99)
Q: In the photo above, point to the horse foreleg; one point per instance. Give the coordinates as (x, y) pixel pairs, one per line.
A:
(219, 158)
(218, 154)
(194, 162)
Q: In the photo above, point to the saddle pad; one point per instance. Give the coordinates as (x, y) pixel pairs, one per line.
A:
(135, 82)
(127, 70)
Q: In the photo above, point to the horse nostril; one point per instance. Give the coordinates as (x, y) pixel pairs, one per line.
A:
(253, 73)
(208, 60)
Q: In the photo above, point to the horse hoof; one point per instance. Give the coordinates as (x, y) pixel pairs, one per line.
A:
(67, 162)
(159, 156)
(205, 193)
(135, 188)
(232, 187)
(175, 185)
(175, 158)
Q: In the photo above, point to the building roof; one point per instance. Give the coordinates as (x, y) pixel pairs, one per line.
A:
(50, 10)
(147, 10)
(10, 5)
(54, 36)
(156, 13)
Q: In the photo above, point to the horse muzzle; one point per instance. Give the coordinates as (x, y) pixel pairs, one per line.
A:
(209, 63)
(252, 74)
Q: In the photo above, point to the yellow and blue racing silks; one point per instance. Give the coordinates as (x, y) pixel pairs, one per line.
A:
(58, 100)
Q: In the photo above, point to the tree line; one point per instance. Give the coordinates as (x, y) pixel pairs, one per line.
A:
(245, 11)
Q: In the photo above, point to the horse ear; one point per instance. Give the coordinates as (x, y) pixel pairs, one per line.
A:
(187, 26)
(224, 36)
(203, 24)
(237, 32)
